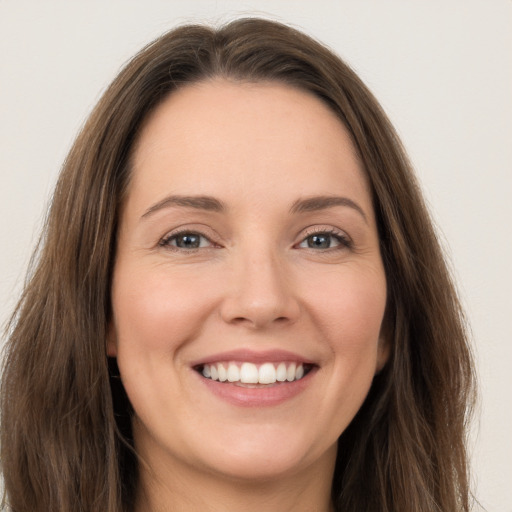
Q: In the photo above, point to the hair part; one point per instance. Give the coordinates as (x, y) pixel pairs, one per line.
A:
(66, 435)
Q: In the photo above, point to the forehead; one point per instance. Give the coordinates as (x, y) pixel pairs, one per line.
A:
(237, 137)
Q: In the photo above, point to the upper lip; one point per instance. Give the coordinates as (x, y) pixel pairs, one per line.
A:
(253, 356)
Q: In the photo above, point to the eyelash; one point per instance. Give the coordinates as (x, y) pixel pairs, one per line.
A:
(344, 240)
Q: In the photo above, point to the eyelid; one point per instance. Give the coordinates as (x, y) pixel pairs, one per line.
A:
(331, 230)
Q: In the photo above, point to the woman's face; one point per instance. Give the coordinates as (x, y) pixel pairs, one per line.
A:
(248, 290)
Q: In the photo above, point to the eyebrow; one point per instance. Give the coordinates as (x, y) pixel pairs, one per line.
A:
(316, 203)
(198, 202)
(209, 203)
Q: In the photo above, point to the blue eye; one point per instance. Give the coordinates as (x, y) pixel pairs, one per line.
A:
(323, 240)
(186, 240)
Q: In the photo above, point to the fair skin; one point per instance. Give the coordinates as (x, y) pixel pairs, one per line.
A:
(272, 259)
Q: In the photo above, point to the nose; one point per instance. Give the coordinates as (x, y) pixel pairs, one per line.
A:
(260, 292)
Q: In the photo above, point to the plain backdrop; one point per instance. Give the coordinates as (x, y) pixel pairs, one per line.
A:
(441, 69)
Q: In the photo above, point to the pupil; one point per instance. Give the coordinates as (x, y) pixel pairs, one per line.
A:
(188, 241)
(319, 241)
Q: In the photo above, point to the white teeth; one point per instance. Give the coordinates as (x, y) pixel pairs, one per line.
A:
(267, 374)
(281, 372)
(249, 373)
(290, 373)
(233, 373)
(223, 375)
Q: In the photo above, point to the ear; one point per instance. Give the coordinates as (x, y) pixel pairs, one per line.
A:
(383, 352)
(385, 343)
(111, 340)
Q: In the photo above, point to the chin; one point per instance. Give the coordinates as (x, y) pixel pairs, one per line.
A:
(256, 469)
(268, 456)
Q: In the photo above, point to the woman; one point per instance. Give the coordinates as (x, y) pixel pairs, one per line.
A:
(240, 302)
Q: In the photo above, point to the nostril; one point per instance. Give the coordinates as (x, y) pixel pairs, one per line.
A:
(259, 321)
(239, 320)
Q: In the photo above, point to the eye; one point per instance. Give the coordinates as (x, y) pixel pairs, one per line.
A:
(186, 240)
(325, 240)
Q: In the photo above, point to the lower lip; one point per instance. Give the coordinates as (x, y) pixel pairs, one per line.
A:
(266, 396)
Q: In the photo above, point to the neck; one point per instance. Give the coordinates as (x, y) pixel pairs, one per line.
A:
(183, 489)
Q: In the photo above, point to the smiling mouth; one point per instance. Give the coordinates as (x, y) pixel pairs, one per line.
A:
(251, 375)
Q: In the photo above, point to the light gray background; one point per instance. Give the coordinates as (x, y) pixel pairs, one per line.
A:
(441, 69)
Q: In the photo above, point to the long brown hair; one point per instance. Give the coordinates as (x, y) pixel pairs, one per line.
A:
(66, 436)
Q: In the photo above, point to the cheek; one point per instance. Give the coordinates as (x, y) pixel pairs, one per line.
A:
(351, 299)
(157, 310)
(348, 308)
